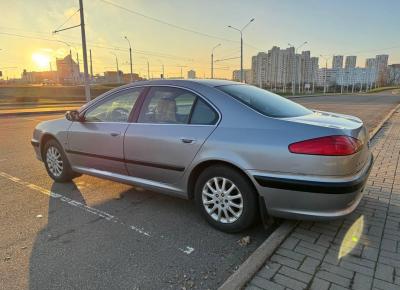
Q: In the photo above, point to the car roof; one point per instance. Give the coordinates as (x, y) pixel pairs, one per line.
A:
(182, 82)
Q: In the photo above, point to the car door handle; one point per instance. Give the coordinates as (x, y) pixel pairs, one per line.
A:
(188, 140)
(115, 134)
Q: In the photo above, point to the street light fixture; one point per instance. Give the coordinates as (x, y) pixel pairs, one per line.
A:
(241, 45)
(130, 57)
(294, 67)
(212, 59)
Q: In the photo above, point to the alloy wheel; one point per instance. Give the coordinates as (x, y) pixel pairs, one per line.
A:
(222, 200)
(54, 161)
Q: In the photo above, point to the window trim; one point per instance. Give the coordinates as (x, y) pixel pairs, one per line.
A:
(206, 101)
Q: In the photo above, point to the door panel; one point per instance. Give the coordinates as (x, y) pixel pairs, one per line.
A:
(163, 143)
(97, 145)
(161, 152)
(97, 142)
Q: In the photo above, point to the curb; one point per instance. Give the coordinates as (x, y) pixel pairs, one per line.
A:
(384, 120)
(258, 258)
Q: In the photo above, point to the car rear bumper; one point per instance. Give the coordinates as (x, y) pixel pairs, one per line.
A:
(311, 197)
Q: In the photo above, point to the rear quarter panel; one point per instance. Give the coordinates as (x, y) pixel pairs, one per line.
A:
(253, 141)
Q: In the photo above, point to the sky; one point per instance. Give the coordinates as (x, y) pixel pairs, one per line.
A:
(189, 30)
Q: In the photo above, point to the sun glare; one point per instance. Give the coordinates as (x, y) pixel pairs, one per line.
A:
(41, 60)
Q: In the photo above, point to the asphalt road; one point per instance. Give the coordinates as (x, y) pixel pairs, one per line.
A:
(371, 108)
(98, 234)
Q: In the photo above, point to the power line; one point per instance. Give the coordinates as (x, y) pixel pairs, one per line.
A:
(67, 20)
(144, 52)
(165, 22)
(129, 10)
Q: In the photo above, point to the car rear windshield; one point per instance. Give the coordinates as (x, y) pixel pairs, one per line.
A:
(265, 102)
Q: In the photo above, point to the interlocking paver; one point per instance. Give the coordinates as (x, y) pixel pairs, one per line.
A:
(384, 272)
(361, 282)
(315, 255)
(319, 284)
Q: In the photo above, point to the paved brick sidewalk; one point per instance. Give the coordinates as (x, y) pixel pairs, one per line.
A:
(361, 251)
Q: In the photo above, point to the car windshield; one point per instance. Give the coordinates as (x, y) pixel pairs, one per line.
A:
(265, 102)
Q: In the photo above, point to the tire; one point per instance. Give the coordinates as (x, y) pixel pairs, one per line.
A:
(53, 154)
(229, 210)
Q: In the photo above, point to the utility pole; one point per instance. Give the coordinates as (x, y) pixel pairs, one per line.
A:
(148, 70)
(70, 64)
(130, 58)
(116, 62)
(326, 70)
(85, 63)
(212, 60)
(91, 64)
(241, 46)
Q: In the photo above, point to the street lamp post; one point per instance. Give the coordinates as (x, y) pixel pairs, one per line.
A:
(326, 69)
(241, 46)
(130, 57)
(162, 69)
(148, 70)
(212, 60)
(116, 62)
(294, 67)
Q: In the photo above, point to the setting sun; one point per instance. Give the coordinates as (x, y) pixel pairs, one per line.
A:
(41, 60)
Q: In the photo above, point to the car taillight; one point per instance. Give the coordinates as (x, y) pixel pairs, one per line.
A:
(328, 146)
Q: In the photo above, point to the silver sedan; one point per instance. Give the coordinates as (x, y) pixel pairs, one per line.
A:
(237, 150)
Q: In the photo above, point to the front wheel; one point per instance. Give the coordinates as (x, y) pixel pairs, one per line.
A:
(226, 199)
(56, 162)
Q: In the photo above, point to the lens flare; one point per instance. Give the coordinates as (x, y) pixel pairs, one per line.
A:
(352, 237)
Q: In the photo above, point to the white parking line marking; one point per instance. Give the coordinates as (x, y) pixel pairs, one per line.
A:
(72, 202)
(188, 250)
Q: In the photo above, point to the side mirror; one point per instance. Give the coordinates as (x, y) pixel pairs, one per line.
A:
(73, 116)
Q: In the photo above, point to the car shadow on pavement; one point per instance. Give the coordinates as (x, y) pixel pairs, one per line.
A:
(107, 247)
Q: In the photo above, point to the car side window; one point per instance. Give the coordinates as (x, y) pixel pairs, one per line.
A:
(203, 114)
(167, 105)
(116, 109)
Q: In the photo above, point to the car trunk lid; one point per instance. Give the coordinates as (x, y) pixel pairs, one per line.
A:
(343, 125)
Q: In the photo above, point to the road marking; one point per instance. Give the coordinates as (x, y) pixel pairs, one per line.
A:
(102, 214)
(188, 250)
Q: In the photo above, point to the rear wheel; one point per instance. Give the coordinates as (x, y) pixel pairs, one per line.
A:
(226, 199)
(56, 162)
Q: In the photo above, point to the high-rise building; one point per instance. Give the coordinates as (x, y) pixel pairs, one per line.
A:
(370, 63)
(382, 69)
(247, 75)
(259, 69)
(394, 74)
(337, 61)
(280, 68)
(191, 74)
(351, 61)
